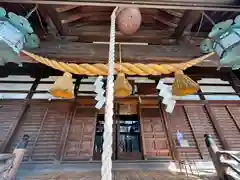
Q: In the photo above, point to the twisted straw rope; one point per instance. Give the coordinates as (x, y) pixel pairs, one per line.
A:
(126, 68)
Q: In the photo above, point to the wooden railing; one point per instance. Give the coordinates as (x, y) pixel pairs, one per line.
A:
(225, 162)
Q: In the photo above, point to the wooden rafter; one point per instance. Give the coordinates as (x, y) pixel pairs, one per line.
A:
(48, 10)
(187, 21)
(86, 13)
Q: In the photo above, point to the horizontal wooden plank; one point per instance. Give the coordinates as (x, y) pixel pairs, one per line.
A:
(98, 53)
(118, 175)
(174, 4)
(91, 33)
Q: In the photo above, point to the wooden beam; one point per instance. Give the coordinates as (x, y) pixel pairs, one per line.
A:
(220, 5)
(98, 53)
(100, 33)
(48, 10)
(186, 23)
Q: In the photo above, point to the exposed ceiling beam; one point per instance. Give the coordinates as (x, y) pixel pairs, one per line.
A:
(98, 53)
(215, 5)
(91, 33)
(49, 11)
(187, 21)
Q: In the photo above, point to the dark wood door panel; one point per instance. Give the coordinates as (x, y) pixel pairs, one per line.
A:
(80, 138)
(155, 142)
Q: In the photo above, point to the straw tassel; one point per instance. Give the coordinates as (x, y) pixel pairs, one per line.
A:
(122, 88)
(63, 87)
(184, 85)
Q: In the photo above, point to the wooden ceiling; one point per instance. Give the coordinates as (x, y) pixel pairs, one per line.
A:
(72, 28)
(91, 23)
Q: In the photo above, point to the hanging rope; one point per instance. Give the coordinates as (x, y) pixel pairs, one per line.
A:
(126, 68)
(106, 169)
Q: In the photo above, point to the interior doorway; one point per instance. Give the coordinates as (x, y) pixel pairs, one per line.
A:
(126, 138)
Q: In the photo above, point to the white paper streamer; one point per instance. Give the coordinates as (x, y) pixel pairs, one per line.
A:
(170, 106)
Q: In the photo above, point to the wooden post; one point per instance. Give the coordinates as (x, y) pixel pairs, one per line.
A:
(53, 15)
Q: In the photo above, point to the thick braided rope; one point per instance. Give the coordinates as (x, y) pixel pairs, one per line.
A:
(106, 169)
(126, 68)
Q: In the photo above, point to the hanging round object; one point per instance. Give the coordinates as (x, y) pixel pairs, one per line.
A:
(129, 20)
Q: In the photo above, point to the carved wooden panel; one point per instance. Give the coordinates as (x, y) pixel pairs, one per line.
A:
(228, 119)
(79, 145)
(155, 143)
(9, 114)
